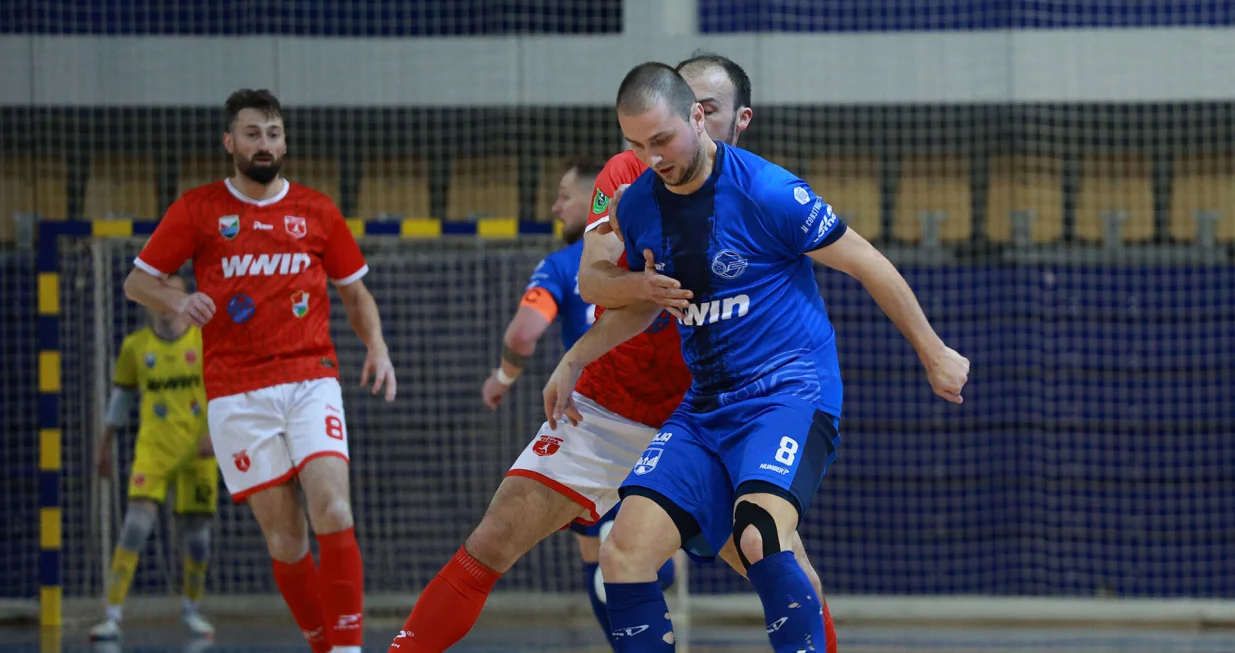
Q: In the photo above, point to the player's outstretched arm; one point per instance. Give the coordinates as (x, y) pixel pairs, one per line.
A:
(522, 334)
(852, 254)
(365, 320)
(604, 283)
(613, 328)
(155, 293)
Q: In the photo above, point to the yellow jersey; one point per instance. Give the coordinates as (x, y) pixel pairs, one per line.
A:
(168, 374)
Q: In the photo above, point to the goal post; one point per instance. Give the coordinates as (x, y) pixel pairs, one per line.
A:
(424, 469)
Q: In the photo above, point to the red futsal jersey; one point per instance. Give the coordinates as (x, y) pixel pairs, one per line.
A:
(644, 378)
(265, 264)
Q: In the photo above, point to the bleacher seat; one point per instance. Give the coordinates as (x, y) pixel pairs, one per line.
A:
(551, 171)
(929, 188)
(319, 173)
(122, 187)
(1029, 186)
(481, 187)
(35, 185)
(1119, 185)
(851, 186)
(199, 171)
(1203, 189)
(393, 186)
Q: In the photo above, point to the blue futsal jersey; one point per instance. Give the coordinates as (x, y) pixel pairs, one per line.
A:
(558, 276)
(757, 325)
(763, 412)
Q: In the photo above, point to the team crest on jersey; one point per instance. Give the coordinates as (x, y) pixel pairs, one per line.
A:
(229, 226)
(600, 202)
(547, 445)
(242, 460)
(295, 226)
(195, 407)
(240, 308)
(728, 264)
(151, 359)
(160, 410)
(648, 461)
(139, 480)
(801, 195)
(300, 303)
(190, 357)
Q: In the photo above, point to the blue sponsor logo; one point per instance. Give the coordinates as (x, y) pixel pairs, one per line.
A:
(240, 308)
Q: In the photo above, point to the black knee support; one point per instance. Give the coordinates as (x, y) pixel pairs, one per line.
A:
(752, 514)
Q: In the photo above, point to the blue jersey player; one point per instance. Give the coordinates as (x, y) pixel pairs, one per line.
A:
(755, 434)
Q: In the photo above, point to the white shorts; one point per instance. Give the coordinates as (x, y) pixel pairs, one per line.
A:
(265, 437)
(585, 463)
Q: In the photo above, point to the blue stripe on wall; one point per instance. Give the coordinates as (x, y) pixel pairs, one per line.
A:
(342, 18)
(733, 16)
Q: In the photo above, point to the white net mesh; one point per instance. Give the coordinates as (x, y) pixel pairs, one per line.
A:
(1061, 200)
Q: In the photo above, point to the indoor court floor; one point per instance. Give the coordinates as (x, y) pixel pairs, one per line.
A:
(711, 639)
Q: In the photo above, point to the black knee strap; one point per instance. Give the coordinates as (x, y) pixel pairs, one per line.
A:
(752, 514)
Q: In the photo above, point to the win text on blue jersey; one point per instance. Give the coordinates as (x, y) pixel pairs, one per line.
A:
(757, 325)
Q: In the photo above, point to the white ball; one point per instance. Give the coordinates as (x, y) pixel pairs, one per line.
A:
(598, 583)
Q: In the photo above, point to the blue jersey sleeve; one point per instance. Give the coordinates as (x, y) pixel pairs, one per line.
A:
(548, 276)
(796, 218)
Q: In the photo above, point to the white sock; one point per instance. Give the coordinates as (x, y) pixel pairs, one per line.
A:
(115, 612)
(345, 649)
(188, 607)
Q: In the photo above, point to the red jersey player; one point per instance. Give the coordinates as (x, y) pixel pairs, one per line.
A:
(572, 470)
(263, 248)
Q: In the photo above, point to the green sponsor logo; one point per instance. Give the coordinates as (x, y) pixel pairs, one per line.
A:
(600, 202)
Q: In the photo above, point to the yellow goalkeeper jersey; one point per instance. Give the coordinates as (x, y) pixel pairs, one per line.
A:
(168, 374)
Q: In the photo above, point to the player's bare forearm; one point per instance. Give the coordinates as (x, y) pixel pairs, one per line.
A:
(856, 257)
(153, 292)
(522, 334)
(601, 281)
(610, 286)
(362, 314)
(613, 328)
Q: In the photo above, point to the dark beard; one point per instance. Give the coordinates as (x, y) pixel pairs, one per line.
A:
(262, 174)
(572, 236)
(691, 171)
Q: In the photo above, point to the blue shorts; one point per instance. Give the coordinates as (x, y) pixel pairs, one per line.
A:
(700, 463)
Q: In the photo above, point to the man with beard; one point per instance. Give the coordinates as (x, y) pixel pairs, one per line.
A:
(571, 471)
(264, 248)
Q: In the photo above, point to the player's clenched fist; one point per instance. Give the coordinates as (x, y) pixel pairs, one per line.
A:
(948, 372)
(197, 308)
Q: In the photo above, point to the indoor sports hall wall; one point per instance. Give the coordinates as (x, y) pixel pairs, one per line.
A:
(1093, 455)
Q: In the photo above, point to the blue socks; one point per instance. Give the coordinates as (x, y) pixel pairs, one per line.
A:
(590, 569)
(639, 618)
(789, 603)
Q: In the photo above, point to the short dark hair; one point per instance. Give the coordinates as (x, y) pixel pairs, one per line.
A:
(700, 59)
(247, 98)
(652, 82)
(587, 167)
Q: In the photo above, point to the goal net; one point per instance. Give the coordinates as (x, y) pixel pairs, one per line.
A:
(1061, 200)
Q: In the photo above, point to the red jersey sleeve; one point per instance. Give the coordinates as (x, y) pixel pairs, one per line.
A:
(342, 259)
(620, 169)
(172, 244)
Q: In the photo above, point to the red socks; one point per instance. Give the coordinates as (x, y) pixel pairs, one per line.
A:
(448, 607)
(300, 585)
(342, 586)
(829, 631)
